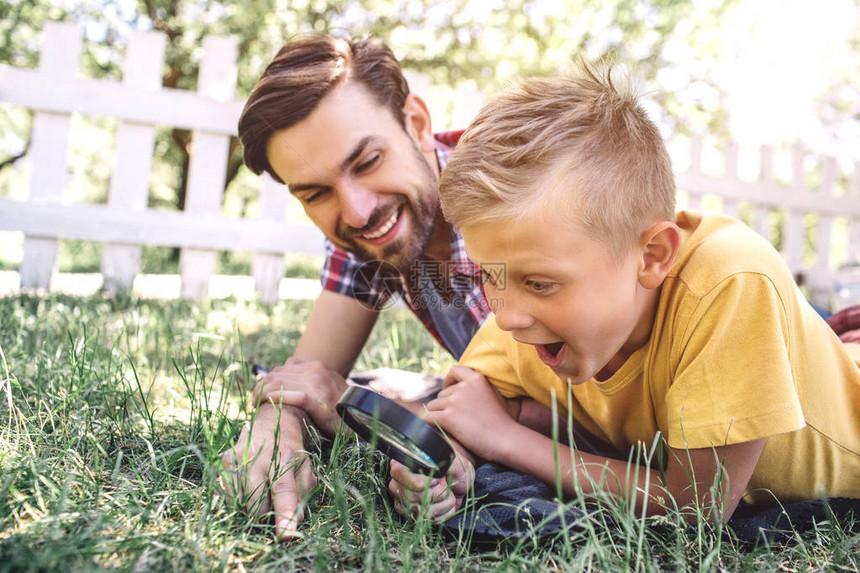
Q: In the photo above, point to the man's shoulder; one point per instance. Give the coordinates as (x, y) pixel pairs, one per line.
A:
(449, 138)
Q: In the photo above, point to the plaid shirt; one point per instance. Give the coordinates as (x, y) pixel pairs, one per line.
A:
(346, 274)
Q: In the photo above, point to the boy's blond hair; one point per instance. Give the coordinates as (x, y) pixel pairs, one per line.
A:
(577, 143)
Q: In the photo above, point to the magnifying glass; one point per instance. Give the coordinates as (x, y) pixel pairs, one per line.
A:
(399, 433)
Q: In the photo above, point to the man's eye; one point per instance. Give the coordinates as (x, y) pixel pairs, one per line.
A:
(361, 167)
(313, 196)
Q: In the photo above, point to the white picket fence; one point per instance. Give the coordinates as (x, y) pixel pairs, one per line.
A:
(140, 103)
(803, 213)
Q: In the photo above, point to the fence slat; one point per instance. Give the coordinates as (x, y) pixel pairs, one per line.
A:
(50, 135)
(207, 171)
(762, 214)
(134, 147)
(268, 269)
(158, 227)
(853, 241)
(103, 98)
(761, 221)
(696, 146)
(819, 279)
(792, 240)
(854, 222)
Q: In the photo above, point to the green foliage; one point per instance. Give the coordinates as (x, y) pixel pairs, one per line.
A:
(461, 43)
(114, 411)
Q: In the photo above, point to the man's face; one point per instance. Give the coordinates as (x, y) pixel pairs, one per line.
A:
(584, 313)
(367, 183)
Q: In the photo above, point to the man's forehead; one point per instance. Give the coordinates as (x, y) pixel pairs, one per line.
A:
(347, 121)
(300, 160)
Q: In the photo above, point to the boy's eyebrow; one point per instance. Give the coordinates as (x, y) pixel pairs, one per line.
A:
(344, 165)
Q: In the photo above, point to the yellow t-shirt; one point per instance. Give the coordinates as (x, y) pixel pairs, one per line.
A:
(735, 354)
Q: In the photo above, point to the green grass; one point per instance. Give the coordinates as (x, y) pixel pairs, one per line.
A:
(113, 414)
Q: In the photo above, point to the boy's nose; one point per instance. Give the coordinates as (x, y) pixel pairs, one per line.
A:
(510, 318)
(356, 205)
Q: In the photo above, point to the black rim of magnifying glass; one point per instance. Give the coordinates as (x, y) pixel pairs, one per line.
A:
(395, 416)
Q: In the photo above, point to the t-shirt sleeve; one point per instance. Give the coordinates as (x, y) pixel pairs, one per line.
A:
(734, 380)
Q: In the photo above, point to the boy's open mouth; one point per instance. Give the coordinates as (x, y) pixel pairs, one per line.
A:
(551, 354)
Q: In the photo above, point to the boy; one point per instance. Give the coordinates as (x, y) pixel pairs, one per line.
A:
(689, 325)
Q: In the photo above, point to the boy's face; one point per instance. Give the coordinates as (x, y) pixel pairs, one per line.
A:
(563, 293)
(368, 184)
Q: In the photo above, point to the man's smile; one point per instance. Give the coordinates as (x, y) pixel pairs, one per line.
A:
(378, 233)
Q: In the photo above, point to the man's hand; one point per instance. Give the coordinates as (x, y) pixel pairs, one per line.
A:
(311, 386)
(445, 495)
(470, 410)
(267, 469)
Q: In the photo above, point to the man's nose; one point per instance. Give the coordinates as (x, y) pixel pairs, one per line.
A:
(356, 204)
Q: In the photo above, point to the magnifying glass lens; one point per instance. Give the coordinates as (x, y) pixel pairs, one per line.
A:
(395, 439)
(396, 431)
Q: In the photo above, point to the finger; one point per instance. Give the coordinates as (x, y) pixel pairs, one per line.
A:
(285, 501)
(439, 490)
(437, 403)
(227, 476)
(455, 375)
(255, 492)
(293, 360)
(279, 397)
(306, 480)
(403, 494)
(259, 387)
(278, 378)
(229, 486)
(443, 508)
(408, 479)
(405, 500)
(439, 509)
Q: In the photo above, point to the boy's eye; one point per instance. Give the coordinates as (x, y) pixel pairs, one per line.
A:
(366, 165)
(541, 287)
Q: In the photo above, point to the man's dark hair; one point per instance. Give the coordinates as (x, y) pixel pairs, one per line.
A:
(303, 72)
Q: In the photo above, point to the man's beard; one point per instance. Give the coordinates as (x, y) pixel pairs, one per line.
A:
(424, 212)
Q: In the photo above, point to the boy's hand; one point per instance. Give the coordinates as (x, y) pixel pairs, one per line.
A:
(264, 479)
(445, 495)
(469, 409)
(311, 386)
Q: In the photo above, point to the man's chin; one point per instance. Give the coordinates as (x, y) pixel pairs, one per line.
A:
(391, 253)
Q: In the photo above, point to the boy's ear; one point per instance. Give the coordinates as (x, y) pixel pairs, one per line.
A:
(416, 118)
(661, 243)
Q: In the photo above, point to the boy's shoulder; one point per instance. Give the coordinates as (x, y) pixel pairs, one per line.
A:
(716, 247)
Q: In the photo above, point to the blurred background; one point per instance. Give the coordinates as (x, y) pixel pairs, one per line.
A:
(756, 71)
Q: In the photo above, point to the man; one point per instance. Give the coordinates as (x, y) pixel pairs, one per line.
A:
(334, 121)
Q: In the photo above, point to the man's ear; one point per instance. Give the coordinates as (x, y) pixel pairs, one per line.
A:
(660, 246)
(416, 118)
